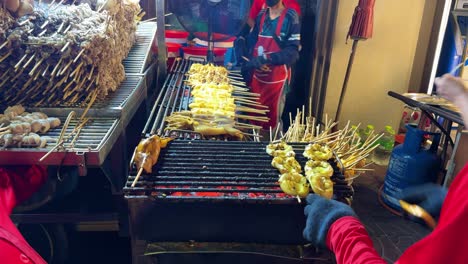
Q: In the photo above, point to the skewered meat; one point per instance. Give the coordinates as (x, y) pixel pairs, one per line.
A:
(280, 148)
(318, 174)
(22, 140)
(286, 164)
(65, 54)
(218, 130)
(54, 122)
(147, 152)
(293, 183)
(318, 152)
(318, 168)
(322, 186)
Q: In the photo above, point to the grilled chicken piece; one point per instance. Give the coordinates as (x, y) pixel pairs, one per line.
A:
(147, 152)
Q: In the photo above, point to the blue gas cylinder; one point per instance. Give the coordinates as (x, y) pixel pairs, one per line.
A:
(410, 164)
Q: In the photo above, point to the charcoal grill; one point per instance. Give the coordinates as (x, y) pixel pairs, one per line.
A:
(216, 191)
(175, 96)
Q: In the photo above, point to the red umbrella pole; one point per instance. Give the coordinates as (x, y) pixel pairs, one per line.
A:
(345, 82)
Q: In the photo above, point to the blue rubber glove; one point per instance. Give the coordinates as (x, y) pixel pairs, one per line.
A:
(321, 213)
(429, 196)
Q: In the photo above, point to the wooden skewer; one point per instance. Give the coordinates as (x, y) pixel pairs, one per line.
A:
(271, 135)
(42, 33)
(252, 110)
(78, 56)
(101, 7)
(21, 61)
(65, 47)
(68, 28)
(6, 55)
(44, 24)
(29, 61)
(65, 68)
(246, 93)
(138, 175)
(4, 44)
(60, 27)
(361, 169)
(257, 118)
(22, 23)
(239, 124)
(148, 20)
(35, 67)
(91, 102)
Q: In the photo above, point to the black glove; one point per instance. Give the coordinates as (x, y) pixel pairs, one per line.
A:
(429, 196)
(257, 62)
(321, 213)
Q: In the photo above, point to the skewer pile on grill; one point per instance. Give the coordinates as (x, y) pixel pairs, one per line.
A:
(61, 55)
(21, 129)
(217, 104)
(332, 156)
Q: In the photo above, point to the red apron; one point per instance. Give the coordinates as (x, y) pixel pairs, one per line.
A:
(270, 85)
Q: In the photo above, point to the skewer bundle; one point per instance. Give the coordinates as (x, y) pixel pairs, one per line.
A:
(350, 151)
(61, 54)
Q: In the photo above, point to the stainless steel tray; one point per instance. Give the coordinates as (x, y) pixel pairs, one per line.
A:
(128, 96)
(140, 56)
(108, 118)
(90, 149)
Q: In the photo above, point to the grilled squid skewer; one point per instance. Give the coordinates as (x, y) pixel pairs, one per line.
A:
(317, 152)
(147, 154)
(294, 183)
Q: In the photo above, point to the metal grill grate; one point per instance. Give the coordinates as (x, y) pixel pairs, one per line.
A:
(174, 96)
(139, 57)
(214, 170)
(129, 94)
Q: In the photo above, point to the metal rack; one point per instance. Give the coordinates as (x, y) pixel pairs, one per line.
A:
(108, 118)
(175, 96)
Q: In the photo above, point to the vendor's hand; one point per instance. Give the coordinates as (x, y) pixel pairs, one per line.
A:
(451, 88)
(429, 196)
(321, 213)
(265, 68)
(257, 62)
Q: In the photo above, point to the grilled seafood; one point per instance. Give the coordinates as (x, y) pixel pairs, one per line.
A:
(317, 152)
(286, 164)
(318, 174)
(280, 149)
(321, 185)
(294, 183)
(147, 152)
(318, 168)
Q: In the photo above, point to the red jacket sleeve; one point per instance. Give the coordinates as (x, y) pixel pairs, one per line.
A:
(447, 243)
(18, 183)
(348, 239)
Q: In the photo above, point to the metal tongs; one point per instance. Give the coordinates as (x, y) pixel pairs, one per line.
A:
(419, 212)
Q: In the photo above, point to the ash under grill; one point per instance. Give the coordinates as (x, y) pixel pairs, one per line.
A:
(175, 96)
(219, 171)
